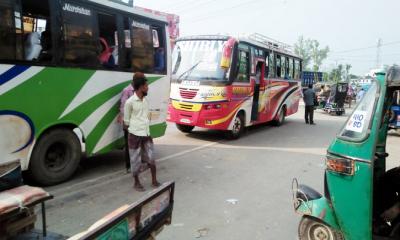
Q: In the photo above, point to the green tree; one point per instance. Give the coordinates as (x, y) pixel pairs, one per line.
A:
(303, 48)
(347, 71)
(318, 55)
(337, 73)
(352, 76)
(325, 77)
(311, 52)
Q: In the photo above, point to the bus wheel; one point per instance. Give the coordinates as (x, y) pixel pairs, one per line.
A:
(311, 229)
(55, 157)
(237, 128)
(184, 128)
(280, 118)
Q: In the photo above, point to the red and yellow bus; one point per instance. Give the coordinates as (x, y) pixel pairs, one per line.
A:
(226, 83)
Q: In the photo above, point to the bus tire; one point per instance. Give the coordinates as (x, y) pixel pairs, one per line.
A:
(55, 157)
(280, 117)
(184, 128)
(237, 128)
(310, 229)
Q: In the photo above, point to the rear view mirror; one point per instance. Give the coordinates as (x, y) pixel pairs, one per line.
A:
(227, 53)
(156, 42)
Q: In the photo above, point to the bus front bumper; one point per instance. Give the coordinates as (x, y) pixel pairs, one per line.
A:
(202, 118)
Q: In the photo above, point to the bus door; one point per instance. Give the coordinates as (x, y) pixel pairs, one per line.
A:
(259, 81)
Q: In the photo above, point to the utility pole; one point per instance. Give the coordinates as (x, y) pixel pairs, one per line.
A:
(378, 53)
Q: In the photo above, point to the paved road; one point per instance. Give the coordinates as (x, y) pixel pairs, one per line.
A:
(211, 173)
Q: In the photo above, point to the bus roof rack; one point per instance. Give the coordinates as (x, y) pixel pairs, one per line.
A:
(271, 43)
(204, 37)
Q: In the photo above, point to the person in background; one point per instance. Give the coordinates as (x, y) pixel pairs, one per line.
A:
(159, 60)
(360, 95)
(126, 94)
(309, 101)
(137, 121)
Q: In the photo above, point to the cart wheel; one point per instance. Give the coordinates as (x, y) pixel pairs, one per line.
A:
(312, 229)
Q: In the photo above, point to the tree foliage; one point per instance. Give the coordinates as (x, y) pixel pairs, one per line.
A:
(303, 48)
(341, 73)
(311, 52)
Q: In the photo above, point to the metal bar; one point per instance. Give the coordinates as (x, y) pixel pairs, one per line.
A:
(133, 209)
(349, 157)
(17, 210)
(44, 220)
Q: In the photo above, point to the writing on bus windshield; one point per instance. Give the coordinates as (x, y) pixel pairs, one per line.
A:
(198, 60)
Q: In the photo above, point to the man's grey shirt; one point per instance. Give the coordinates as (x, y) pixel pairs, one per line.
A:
(309, 96)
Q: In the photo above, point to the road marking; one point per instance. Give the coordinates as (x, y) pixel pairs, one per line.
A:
(187, 151)
(314, 151)
(94, 182)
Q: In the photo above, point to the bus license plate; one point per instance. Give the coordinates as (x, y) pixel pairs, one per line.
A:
(184, 120)
(191, 83)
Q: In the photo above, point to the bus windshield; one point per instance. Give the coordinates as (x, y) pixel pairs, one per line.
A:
(198, 60)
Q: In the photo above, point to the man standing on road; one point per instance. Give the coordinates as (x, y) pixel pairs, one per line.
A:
(137, 121)
(309, 98)
(126, 94)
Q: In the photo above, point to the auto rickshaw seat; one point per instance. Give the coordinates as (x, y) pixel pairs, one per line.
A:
(307, 193)
(21, 197)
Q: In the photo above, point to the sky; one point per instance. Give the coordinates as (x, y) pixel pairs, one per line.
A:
(351, 28)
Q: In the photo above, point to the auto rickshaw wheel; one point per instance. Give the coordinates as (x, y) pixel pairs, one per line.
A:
(313, 229)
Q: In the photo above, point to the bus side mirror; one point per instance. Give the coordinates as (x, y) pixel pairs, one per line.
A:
(227, 53)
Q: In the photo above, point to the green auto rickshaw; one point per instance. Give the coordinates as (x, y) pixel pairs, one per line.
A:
(361, 200)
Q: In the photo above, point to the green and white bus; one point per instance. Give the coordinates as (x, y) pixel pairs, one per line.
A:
(63, 65)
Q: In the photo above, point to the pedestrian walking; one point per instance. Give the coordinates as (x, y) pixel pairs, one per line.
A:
(126, 94)
(137, 121)
(309, 98)
(360, 95)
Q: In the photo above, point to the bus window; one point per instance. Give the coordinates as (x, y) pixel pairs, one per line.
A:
(271, 66)
(36, 29)
(126, 54)
(266, 74)
(283, 67)
(278, 66)
(7, 31)
(108, 40)
(296, 69)
(291, 68)
(147, 51)
(286, 68)
(252, 61)
(80, 45)
(143, 51)
(159, 50)
(243, 67)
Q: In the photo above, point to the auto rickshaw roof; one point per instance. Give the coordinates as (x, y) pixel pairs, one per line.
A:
(393, 76)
